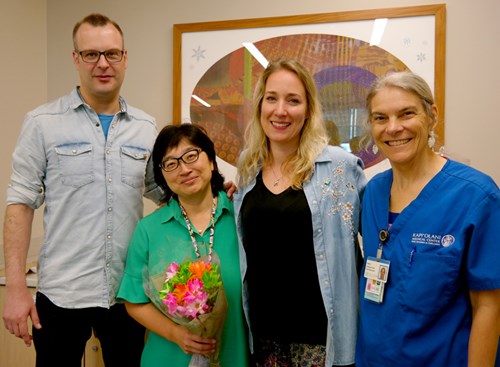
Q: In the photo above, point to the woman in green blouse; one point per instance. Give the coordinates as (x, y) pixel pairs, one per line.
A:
(196, 220)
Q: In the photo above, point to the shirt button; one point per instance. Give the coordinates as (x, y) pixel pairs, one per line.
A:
(109, 236)
(327, 282)
(110, 179)
(110, 209)
(321, 257)
(107, 151)
(74, 151)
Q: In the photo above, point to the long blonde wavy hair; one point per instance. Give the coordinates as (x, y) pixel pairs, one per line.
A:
(313, 138)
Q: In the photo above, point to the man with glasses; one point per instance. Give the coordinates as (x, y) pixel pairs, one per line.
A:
(84, 155)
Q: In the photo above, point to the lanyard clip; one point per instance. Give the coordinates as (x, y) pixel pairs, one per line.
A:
(383, 236)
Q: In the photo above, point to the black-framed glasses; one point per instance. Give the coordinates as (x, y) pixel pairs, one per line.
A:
(189, 157)
(112, 56)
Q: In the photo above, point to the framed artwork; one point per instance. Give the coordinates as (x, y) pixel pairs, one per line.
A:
(214, 69)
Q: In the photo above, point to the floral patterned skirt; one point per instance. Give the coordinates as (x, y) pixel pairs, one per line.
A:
(272, 354)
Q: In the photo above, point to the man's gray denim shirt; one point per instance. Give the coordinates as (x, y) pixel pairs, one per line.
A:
(334, 196)
(93, 191)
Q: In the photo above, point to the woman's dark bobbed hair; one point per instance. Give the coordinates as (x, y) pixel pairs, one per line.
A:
(170, 137)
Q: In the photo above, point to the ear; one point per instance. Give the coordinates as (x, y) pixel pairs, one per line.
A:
(435, 116)
(76, 59)
(125, 59)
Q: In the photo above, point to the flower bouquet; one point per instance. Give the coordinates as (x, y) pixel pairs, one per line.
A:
(192, 294)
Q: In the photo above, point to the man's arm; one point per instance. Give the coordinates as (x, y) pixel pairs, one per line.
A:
(230, 188)
(19, 302)
(483, 341)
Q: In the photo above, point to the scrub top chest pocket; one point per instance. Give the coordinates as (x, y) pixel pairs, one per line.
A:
(429, 282)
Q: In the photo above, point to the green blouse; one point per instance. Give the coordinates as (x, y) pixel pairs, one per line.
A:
(161, 238)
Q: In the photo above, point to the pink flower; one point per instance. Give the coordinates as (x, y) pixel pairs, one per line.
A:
(171, 271)
(171, 302)
(195, 299)
(196, 308)
(195, 286)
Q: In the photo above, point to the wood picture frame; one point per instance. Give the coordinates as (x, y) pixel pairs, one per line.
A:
(196, 45)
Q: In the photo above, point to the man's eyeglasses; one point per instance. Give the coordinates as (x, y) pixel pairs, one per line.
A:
(171, 164)
(113, 56)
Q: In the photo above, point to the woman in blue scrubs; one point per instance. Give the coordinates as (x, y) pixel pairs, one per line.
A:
(432, 224)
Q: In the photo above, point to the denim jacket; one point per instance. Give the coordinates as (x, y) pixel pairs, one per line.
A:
(92, 188)
(334, 195)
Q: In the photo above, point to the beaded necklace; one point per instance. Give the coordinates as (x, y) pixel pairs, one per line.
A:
(191, 233)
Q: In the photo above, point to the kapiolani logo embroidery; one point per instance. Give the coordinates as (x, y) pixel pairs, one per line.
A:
(433, 239)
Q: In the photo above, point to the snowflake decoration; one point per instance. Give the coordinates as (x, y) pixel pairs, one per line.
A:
(421, 57)
(407, 41)
(198, 53)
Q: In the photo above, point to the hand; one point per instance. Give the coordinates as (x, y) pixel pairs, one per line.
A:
(19, 305)
(191, 343)
(230, 188)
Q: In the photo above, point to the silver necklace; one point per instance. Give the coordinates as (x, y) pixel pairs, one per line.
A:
(191, 233)
(278, 179)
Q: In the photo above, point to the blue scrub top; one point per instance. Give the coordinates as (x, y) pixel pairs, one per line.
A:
(451, 231)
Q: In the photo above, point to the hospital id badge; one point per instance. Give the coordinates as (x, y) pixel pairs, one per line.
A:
(376, 274)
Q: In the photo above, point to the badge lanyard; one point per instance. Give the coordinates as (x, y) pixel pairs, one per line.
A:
(377, 271)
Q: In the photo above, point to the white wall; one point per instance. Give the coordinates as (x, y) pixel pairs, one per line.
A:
(33, 28)
(472, 79)
(23, 80)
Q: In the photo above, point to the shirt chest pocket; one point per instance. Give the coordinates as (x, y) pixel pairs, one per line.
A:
(75, 164)
(133, 165)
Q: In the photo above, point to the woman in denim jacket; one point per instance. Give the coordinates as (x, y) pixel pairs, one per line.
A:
(297, 212)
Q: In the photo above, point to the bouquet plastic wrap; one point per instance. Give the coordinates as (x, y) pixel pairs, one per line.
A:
(192, 294)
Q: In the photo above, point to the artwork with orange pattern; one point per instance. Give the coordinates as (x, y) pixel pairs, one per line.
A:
(343, 69)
